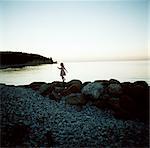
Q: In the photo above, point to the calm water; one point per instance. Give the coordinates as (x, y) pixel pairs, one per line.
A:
(85, 71)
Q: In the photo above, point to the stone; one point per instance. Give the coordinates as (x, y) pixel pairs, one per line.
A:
(105, 83)
(74, 88)
(36, 85)
(114, 89)
(59, 84)
(78, 82)
(139, 92)
(45, 87)
(114, 81)
(93, 90)
(128, 104)
(76, 99)
(85, 83)
(55, 96)
(100, 103)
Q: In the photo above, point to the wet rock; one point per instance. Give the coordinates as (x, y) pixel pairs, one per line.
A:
(93, 90)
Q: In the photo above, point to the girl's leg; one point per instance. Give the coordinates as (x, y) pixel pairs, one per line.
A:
(62, 78)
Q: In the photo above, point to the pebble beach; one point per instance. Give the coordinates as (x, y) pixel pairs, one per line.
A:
(45, 122)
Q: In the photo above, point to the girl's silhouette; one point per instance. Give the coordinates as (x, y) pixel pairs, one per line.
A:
(62, 72)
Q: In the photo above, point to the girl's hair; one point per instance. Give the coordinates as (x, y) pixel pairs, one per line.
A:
(62, 64)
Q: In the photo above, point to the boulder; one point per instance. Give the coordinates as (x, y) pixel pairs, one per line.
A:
(140, 94)
(59, 84)
(114, 81)
(85, 83)
(45, 87)
(105, 83)
(102, 104)
(114, 89)
(55, 96)
(74, 88)
(77, 82)
(93, 90)
(36, 85)
(76, 99)
(126, 88)
(128, 104)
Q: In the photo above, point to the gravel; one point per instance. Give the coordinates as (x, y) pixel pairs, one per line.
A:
(69, 127)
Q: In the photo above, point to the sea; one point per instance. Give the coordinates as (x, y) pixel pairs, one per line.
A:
(124, 71)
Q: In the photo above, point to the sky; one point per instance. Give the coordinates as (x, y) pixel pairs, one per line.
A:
(76, 30)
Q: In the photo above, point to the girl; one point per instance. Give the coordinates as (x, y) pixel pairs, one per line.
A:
(62, 72)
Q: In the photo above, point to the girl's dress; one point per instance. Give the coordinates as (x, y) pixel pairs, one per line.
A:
(62, 72)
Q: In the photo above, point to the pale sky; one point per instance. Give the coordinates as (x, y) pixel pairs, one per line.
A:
(76, 30)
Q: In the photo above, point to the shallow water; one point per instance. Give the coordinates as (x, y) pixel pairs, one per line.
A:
(85, 71)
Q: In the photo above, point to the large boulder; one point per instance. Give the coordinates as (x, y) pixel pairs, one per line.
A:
(36, 85)
(105, 83)
(139, 92)
(128, 104)
(46, 89)
(114, 81)
(72, 82)
(74, 88)
(114, 89)
(59, 84)
(76, 99)
(93, 90)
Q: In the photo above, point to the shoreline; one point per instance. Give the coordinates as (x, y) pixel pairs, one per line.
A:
(22, 65)
(90, 114)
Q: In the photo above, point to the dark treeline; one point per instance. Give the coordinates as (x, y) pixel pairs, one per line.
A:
(14, 58)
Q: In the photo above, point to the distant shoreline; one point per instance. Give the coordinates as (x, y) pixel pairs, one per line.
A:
(19, 60)
(21, 65)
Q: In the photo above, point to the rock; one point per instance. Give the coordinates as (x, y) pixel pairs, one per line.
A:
(128, 104)
(100, 103)
(139, 92)
(76, 99)
(91, 127)
(36, 85)
(54, 96)
(74, 88)
(59, 84)
(114, 81)
(141, 83)
(114, 89)
(126, 87)
(78, 82)
(85, 83)
(105, 83)
(93, 90)
(45, 87)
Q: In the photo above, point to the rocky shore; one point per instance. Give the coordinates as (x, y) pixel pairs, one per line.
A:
(103, 113)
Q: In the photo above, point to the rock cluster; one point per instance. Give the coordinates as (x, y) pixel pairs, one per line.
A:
(75, 114)
(127, 100)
